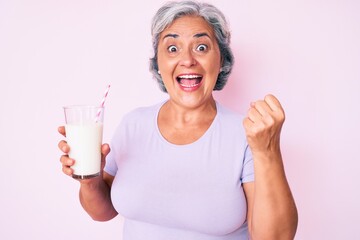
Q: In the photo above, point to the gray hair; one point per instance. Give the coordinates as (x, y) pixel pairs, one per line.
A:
(216, 19)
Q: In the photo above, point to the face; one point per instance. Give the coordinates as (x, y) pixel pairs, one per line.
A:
(189, 61)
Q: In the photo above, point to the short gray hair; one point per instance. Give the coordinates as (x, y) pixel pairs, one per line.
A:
(171, 11)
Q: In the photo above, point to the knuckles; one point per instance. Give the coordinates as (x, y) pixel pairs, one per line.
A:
(256, 130)
(264, 121)
(265, 125)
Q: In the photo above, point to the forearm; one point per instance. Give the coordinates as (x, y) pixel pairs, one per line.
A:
(274, 213)
(96, 201)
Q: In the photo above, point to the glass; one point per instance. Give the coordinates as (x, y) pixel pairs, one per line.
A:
(84, 132)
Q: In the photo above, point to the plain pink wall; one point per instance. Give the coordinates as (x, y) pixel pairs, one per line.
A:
(54, 53)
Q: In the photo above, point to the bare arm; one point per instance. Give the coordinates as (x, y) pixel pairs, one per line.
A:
(272, 212)
(95, 198)
(94, 193)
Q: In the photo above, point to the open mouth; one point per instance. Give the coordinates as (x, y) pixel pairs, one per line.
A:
(189, 80)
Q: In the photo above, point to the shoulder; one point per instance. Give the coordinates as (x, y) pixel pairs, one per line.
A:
(138, 120)
(228, 116)
(230, 123)
(141, 113)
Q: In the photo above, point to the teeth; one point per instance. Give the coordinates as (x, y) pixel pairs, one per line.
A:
(189, 76)
(189, 85)
(189, 80)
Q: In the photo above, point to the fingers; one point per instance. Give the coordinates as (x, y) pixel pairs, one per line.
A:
(62, 131)
(254, 115)
(268, 109)
(265, 117)
(63, 146)
(273, 103)
(66, 164)
(269, 104)
(259, 109)
(105, 149)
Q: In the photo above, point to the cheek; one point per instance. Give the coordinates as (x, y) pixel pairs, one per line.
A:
(214, 61)
(165, 64)
(213, 66)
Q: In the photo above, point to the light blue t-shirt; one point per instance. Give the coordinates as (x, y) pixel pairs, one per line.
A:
(175, 192)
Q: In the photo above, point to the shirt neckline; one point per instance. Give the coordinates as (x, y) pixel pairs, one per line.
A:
(197, 141)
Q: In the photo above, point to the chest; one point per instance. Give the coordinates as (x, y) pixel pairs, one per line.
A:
(192, 188)
(181, 135)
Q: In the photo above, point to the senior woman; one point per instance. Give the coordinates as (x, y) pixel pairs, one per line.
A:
(188, 168)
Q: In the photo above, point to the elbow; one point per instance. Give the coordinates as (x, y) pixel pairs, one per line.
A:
(97, 219)
(104, 218)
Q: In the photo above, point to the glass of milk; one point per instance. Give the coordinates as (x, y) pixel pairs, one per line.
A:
(84, 131)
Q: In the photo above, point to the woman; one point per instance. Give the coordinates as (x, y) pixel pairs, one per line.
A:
(188, 168)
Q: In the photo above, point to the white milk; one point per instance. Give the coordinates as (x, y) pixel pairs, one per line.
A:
(85, 148)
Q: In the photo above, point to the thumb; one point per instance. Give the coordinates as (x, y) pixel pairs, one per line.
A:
(105, 149)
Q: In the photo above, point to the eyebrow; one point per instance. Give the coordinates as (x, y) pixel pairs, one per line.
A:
(171, 35)
(198, 35)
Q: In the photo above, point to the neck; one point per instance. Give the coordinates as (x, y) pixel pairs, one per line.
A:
(180, 115)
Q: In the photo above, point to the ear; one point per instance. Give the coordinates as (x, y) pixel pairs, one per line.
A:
(221, 64)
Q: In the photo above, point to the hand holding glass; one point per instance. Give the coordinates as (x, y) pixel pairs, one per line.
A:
(84, 131)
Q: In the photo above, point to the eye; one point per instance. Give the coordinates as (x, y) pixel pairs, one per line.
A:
(202, 48)
(172, 49)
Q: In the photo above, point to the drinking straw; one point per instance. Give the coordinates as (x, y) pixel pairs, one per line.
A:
(102, 103)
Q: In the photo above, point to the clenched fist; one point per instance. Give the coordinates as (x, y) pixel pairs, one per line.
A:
(263, 125)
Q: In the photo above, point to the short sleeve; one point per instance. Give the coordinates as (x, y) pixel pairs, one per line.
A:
(110, 165)
(115, 148)
(247, 174)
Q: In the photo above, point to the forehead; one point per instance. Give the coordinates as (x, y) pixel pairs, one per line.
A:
(189, 25)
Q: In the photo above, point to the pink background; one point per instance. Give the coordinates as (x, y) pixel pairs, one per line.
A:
(54, 53)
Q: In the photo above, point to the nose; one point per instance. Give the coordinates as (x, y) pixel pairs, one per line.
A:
(187, 58)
